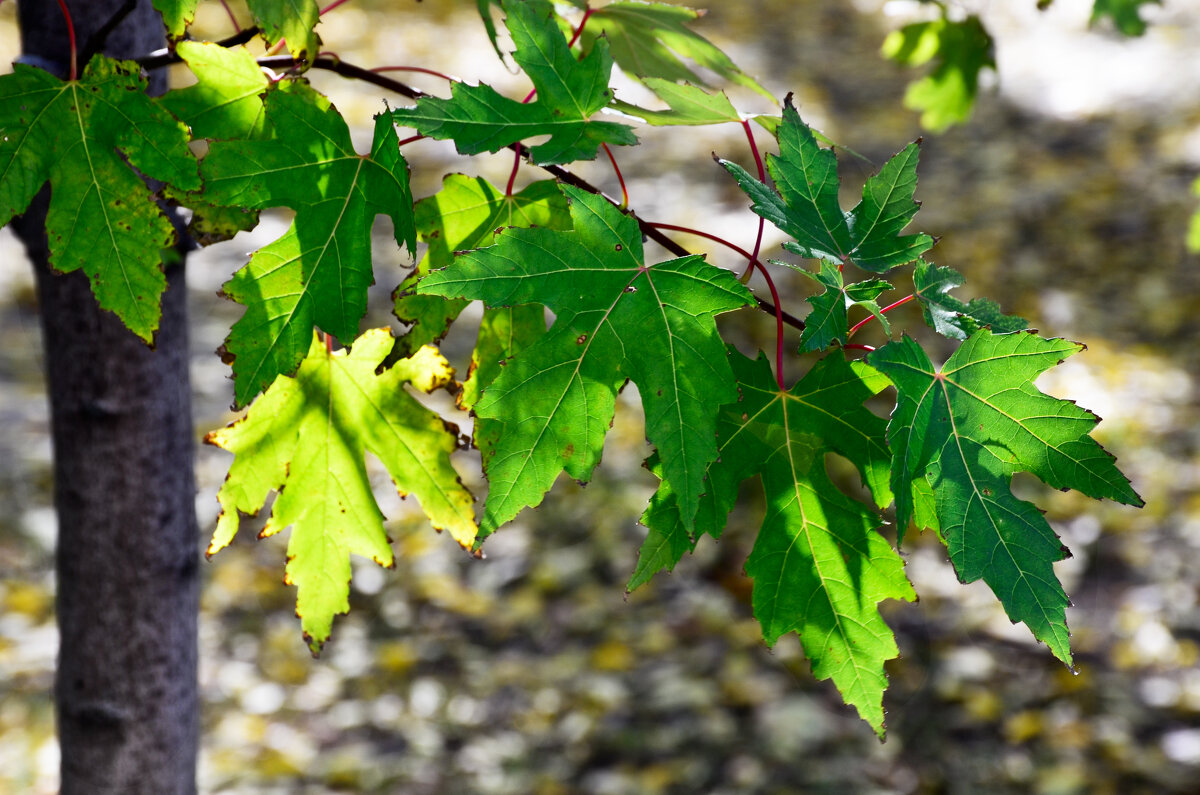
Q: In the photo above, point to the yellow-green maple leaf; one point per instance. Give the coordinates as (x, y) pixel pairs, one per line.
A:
(309, 433)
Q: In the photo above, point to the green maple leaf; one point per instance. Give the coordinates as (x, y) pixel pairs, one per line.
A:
(959, 50)
(465, 214)
(102, 217)
(318, 272)
(966, 429)
(177, 15)
(689, 105)
(820, 567)
(293, 20)
(569, 93)
(949, 316)
(647, 40)
(1125, 14)
(616, 319)
(305, 438)
(226, 100)
(806, 205)
(827, 323)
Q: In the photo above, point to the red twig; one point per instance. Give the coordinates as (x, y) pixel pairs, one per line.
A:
(778, 324)
(883, 311)
(70, 37)
(731, 246)
(421, 69)
(237, 28)
(762, 177)
(620, 179)
(579, 30)
(330, 7)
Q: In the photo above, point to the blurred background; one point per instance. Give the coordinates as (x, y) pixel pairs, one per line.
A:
(1066, 198)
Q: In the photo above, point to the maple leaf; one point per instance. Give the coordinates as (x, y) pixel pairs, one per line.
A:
(616, 319)
(820, 567)
(806, 204)
(1126, 15)
(465, 214)
(177, 15)
(226, 100)
(960, 50)
(569, 93)
(318, 272)
(966, 429)
(949, 316)
(292, 20)
(102, 216)
(647, 40)
(306, 437)
(828, 321)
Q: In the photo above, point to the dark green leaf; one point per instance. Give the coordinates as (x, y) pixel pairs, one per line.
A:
(569, 93)
(806, 205)
(828, 322)
(616, 319)
(820, 567)
(967, 428)
(949, 316)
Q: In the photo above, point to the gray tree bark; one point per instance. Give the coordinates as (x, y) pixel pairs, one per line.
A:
(127, 556)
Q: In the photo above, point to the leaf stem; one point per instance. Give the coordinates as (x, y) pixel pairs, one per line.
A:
(512, 176)
(620, 179)
(579, 29)
(330, 7)
(885, 310)
(229, 11)
(762, 177)
(778, 324)
(71, 38)
(420, 69)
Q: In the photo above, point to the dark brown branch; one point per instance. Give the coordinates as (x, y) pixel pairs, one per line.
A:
(164, 57)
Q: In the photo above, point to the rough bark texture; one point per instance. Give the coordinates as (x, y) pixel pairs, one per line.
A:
(127, 557)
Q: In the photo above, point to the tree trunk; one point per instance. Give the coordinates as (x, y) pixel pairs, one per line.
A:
(127, 556)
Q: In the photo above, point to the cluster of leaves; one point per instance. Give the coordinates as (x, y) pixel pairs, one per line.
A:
(543, 398)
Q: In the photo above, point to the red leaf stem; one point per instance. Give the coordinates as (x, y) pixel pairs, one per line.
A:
(762, 177)
(420, 69)
(620, 178)
(232, 17)
(883, 311)
(70, 37)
